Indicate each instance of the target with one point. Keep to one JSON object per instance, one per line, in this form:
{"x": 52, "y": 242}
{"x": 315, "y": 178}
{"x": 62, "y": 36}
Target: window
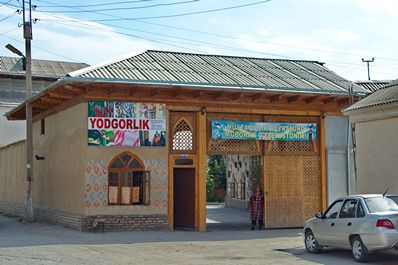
{"x": 333, "y": 210}
{"x": 128, "y": 182}
{"x": 42, "y": 126}
{"x": 360, "y": 211}
{"x": 348, "y": 209}
{"x": 381, "y": 204}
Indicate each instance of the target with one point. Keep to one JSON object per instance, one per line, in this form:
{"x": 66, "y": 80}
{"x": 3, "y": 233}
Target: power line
{"x": 218, "y": 35}
{"x": 181, "y": 14}
{"x": 10, "y": 15}
{"x": 54, "y": 53}
{"x": 97, "y": 5}
{"x": 2, "y": 4}
{"x": 119, "y": 8}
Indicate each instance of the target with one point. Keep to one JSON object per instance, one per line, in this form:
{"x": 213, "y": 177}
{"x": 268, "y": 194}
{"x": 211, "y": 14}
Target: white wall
{"x": 10, "y": 131}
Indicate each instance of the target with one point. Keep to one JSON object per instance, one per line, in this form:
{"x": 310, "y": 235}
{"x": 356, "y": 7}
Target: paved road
{"x": 44, "y": 244}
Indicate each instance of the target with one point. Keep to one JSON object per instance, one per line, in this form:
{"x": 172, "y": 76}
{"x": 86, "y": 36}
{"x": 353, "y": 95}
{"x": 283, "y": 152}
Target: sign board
{"x": 242, "y": 130}
{"x": 112, "y": 123}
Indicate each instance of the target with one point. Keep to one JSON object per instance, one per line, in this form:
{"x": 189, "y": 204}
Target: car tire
{"x": 358, "y": 249}
{"x": 311, "y": 244}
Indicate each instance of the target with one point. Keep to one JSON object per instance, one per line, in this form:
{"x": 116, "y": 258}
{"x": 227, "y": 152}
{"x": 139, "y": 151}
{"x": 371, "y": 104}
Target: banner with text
{"x": 242, "y": 130}
{"x": 112, "y": 123}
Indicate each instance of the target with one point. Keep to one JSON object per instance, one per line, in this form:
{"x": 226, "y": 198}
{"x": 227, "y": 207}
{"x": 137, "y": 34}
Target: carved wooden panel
{"x": 293, "y": 190}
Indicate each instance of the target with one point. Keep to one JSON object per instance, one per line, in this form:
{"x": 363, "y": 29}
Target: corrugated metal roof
{"x": 373, "y": 85}
{"x": 217, "y": 70}
{"x": 44, "y": 72}
{"x": 383, "y": 96}
{"x": 40, "y": 68}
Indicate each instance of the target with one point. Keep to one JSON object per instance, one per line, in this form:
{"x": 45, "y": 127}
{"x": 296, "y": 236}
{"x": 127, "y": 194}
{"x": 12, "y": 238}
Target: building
{"x": 13, "y": 89}
{"x": 373, "y": 85}
{"x": 127, "y": 141}
{"x": 375, "y": 123}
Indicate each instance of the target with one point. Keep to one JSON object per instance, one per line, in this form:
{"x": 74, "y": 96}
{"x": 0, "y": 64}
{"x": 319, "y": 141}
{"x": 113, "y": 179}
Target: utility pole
{"x": 27, "y": 34}
{"x": 367, "y": 63}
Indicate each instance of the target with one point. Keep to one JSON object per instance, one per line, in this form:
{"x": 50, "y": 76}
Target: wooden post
{"x": 322, "y": 151}
{"x": 201, "y": 174}
{"x": 171, "y": 192}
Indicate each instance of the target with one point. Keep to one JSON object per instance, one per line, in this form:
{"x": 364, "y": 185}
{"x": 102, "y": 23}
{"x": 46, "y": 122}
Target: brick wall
{"x": 85, "y": 223}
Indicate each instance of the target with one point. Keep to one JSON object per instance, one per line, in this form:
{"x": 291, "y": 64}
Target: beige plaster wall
{"x": 96, "y": 175}
{"x": 377, "y": 156}
{"x": 58, "y": 178}
{"x": 13, "y": 173}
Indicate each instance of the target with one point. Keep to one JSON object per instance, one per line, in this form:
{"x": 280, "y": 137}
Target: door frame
{"x": 172, "y": 165}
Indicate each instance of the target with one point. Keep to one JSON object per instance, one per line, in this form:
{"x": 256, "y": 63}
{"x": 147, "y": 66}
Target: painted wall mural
{"x": 96, "y": 184}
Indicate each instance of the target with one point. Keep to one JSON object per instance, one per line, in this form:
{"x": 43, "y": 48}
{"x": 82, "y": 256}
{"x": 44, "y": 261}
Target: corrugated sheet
{"x": 42, "y": 68}
{"x": 12, "y": 90}
{"x": 216, "y": 70}
{"x": 383, "y": 96}
{"x": 373, "y": 85}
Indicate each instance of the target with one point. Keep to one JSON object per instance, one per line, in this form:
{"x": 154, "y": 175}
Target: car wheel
{"x": 358, "y": 249}
{"x": 311, "y": 244}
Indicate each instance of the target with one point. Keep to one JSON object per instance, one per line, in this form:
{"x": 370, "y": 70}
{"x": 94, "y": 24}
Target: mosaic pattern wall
{"x": 96, "y": 183}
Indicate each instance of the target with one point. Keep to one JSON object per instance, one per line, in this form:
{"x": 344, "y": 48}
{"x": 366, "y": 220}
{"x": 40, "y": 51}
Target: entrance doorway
{"x": 184, "y": 198}
{"x": 230, "y": 181}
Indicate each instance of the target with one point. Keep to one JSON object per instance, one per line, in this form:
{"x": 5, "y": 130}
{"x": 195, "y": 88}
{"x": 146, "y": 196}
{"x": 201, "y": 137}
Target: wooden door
{"x": 184, "y": 197}
{"x": 292, "y": 190}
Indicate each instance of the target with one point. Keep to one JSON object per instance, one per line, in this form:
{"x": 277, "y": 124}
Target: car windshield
{"x": 381, "y": 204}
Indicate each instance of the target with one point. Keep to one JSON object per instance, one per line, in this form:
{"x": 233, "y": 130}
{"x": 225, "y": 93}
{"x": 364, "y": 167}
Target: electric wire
{"x": 181, "y": 14}
{"x": 2, "y": 4}
{"x": 120, "y": 8}
{"x": 226, "y": 36}
{"x": 97, "y": 5}
{"x": 9, "y": 16}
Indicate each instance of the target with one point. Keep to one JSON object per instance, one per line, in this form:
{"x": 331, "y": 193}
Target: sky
{"x": 339, "y": 33}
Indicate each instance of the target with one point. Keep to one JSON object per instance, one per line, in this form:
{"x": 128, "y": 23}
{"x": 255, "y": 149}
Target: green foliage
{"x": 216, "y": 177}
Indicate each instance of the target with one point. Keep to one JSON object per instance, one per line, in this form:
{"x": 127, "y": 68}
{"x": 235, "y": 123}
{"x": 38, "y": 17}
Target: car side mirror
{"x": 319, "y": 215}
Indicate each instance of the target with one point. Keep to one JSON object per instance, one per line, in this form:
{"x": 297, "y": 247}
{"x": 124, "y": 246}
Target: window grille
{"x": 182, "y": 137}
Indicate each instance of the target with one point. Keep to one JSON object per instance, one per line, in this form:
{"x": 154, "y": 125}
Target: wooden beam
{"x": 274, "y": 97}
{"x": 310, "y": 99}
{"x": 329, "y": 100}
{"x": 292, "y": 99}
{"x": 201, "y": 173}
{"x": 175, "y": 93}
{"x": 237, "y": 96}
{"x": 111, "y": 90}
{"x": 154, "y": 92}
{"x": 218, "y": 95}
{"x": 87, "y": 89}
{"x": 133, "y": 91}
{"x": 256, "y": 97}
{"x": 198, "y": 94}
{"x": 343, "y": 101}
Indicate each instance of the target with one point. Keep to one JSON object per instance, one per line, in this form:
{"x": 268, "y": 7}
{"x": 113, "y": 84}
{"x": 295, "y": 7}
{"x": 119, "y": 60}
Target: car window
{"x": 360, "y": 211}
{"x": 333, "y": 210}
{"x": 381, "y": 204}
{"x": 394, "y": 198}
{"x": 348, "y": 209}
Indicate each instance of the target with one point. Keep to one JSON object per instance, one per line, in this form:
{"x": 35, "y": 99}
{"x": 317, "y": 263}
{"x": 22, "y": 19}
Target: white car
{"x": 362, "y": 223}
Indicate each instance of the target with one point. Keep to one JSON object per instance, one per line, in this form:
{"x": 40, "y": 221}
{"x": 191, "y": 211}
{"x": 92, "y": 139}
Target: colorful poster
{"x": 113, "y": 123}
{"x": 241, "y": 130}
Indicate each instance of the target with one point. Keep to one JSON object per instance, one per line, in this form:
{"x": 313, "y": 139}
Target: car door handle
{"x": 349, "y": 224}
{"x": 332, "y": 224}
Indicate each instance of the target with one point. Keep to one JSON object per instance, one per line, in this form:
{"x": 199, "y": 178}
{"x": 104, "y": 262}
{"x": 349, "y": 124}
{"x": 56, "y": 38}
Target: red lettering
{"x": 107, "y": 123}
{"x": 122, "y": 124}
{"x": 129, "y": 124}
{"x": 114, "y": 123}
{"x": 145, "y": 125}
{"x": 100, "y": 123}
{"x": 135, "y": 125}
{"x": 92, "y": 121}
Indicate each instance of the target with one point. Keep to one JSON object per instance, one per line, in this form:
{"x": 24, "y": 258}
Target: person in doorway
{"x": 257, "y": 208}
